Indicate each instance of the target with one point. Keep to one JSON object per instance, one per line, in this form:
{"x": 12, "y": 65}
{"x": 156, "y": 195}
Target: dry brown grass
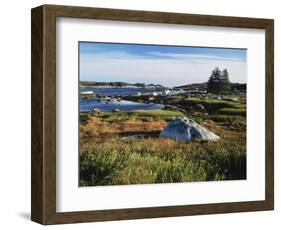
{"x": 99, "y": 131}
{"x": 107, "y": 157}
{"x": 96, "y": 126}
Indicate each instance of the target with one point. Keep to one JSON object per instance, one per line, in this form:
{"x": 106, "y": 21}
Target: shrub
{"x": 98, "y": 166}
{"x": 83, "y": 118}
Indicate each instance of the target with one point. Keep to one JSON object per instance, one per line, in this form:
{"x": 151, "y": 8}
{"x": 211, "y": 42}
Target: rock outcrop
{"x": 96, "y": 110}
{"x": 184, "y": 129}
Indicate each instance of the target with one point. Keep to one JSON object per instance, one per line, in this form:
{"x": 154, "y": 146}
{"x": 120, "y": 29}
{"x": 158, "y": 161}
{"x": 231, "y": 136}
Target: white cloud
{"x": 185, "y": 56}
{"x": 169, "y": 69}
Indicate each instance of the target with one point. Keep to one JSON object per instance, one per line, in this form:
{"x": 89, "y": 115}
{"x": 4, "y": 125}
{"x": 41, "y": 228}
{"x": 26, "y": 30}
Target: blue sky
{"x": 167, "y": 65}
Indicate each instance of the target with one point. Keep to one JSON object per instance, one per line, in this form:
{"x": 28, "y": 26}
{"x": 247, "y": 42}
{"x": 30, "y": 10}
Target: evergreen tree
{"x": 225, "y": 83}
{"x": 219, "y": 81}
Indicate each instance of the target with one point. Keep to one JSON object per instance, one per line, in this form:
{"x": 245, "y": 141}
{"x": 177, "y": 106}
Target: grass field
{"x": 111, "y": 154}
{"x": 120, "y": 161}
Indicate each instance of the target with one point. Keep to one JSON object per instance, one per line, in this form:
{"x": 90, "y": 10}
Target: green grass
{"x": 192, "y": 100}
{"x": 232, "y": 111}
{"x": 216, "y": 106}
{"x": 144, "y": 115}
{"x": 229, "y": 120}
{"x": 117, "y": 160}
{"x": 208, "y": 102}
{"x": 190, "y": 104}
{"x": 144, "y": 162}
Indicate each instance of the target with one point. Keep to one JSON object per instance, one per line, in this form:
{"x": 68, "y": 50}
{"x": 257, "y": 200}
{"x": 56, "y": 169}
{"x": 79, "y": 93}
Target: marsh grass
{"x": 108, "y": 158}
{"x": 160, "y": 161}
{"x": 143, "y": 115}
{"x": 230, "y": 120}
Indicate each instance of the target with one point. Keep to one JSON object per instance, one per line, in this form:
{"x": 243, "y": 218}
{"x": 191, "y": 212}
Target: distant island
{"x": 94, "y": 84}
{"x": 241, "y": 87}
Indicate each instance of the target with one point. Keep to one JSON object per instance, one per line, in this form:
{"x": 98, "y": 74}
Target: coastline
{"x": 122, "y": 87}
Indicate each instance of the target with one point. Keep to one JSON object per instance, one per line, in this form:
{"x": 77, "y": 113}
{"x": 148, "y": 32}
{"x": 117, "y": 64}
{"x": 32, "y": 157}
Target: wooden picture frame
{"x": 43, "y": 208}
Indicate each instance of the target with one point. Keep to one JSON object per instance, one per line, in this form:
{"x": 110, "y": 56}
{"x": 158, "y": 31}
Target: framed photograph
{"x": 141, "y": 114}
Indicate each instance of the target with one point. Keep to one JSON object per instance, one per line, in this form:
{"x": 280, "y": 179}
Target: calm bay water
{"x": 118, "y": 91}
{"x": 106, "y": 105}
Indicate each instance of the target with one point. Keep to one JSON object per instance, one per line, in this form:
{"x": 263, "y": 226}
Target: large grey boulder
{"x": 184, "y": 129}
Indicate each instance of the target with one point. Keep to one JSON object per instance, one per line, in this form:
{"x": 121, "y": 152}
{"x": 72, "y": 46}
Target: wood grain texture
{"x": 269, "y": 113}
{"x": 37, "y": 115}
{"x": 44, "y": 114}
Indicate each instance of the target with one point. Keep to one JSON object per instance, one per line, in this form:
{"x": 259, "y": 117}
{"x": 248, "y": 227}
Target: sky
{"x": 158, "y": 64}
